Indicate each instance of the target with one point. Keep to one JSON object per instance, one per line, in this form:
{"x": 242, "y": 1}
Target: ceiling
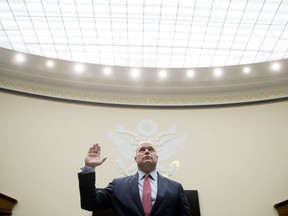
{"x": 148, "y": 35}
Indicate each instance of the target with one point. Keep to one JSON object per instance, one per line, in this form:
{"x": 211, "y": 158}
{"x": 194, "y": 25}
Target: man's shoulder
{"x": 168, "y": 180}
{"x": 125, "y": 178}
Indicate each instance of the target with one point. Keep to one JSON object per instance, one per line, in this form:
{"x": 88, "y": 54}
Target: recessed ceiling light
{"x": 135, "y": 73}
{"x": 50, "y": 63}
{"x": 218, "y": 72}
{"x": 190, "y": 74}
{"x": 275, "y": 66}
{"x": 162, "y": 74}
{"x": 107, "y": 71}
{"x": 79, "y": 68}
{"x": 246, "y": 70}
{"x": 20, "y": 58}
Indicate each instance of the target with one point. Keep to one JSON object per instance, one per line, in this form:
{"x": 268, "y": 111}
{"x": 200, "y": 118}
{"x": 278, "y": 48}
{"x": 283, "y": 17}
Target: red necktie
{"x": 146, "y": 197}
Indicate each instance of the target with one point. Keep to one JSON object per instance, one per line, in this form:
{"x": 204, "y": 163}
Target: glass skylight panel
{"x": 51, "y": 9}
{"x": 68, "y": 8}
{"x": 281, "y": 15}
{"x": 79, "y": 57}
{"x": 71, "y": 23}
{"x": 49, "y": 50}
{"x": 21, "y": 47}
{"x": 86, "y": 23}
{"x": 106, "y": 51}
{"x": 15, "y": 38}
{"x": 39, "y": 23}
{"x": 178, "y": 51}
{"x": 150, "y": 39}
{"x": 55, "y": 23}
{"x": 281, "y": 47}
{"x": 261, "y": 57}
{"x": 165, "y": 43}
{"x": 180, "y": 42}
{"x": 284, "y": 35}
{"x": 59, "y": 37}
{"x": 151, "y": 26}
{"x": 105, "y": 38}
{"x": 35, "y": 9}
{"x": 202, "y": 14}
{"x": 24, "y": 23}
{"x": 4, "y": 41}
{"x": 44, "y": 38}
{"x": 103, "y": 25}
{"x": 234, "y": 57}
{"x": 92, "y": 58}
{"x": 135, "y": 29}
{"x": 121, "y": 61}
{"x": 120, "y": 39}
{"x": 120, "y": 50}
{"x": 247, "y": 56}
{"x": 35, "y": 49}
{"x": 101, "y": 10}
{"x": 169, "y": 12}
{"x": 152, "y": 12}
{"x": 249, "y": 15}
{"x": 89, "y": 37}
{"x": 119, "y": 25}
{"x": 5, "y": 9}
{"x": 84, "y": 9}
{"x": 218, "y": 16}
{"x": 224, "y": 44}
{"x": 63, "y": 51}
{"x": 18, "y": 8}
{"x": 135, "y": 59}
{"x": 135, "y": 11}
{"x": 266, "y": 17}
{"x": 220, "y": 57}
{"x": 274, "y": 32}
{"x": 185, "y": 13}
{"x": 176, "y": 62}
{"x": 118, "y": 11}
{"x": 9, "y": 24}
{"x": 29, "y": 36}
{"x": 77, "y": 48}
{"x": 268, "y": 44}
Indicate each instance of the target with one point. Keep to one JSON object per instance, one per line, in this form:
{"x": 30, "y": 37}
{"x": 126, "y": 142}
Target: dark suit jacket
{"x": 122, "y": 195}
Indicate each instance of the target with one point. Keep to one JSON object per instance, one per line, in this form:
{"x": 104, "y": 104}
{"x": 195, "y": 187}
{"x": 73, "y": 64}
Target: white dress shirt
{"x": 153, "y": 181}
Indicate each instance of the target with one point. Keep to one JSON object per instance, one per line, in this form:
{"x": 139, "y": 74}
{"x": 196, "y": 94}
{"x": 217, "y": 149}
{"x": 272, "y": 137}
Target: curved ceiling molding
{"x": 62, "y": 82}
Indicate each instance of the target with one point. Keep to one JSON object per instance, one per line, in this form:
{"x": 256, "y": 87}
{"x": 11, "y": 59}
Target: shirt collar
{"x": 153, "y": 174}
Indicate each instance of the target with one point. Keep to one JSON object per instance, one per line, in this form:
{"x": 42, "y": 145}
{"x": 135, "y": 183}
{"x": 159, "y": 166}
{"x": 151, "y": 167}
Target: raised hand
{"x": 93, "y": 156}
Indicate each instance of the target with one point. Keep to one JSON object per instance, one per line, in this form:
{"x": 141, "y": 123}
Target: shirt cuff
{"x": 87, "y": 169}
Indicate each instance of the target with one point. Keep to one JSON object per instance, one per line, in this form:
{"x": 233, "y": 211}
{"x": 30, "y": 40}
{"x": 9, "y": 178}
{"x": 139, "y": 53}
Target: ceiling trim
{"x": 34, "y": 78}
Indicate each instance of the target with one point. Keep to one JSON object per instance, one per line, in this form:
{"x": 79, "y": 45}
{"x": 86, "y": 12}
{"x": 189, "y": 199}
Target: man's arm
{"x": 92, "y": 199}
{"x": 183, "y": 205}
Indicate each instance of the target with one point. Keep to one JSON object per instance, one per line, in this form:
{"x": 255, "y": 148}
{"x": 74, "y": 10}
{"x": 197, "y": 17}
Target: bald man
{"x": 125, "y": 195}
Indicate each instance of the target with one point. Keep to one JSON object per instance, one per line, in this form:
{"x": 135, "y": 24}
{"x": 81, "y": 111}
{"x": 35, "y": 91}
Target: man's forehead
{"x": 146, "y": 144}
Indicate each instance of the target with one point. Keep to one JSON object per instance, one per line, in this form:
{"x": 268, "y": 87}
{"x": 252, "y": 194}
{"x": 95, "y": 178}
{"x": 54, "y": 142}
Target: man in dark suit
{"x": 124, "y": 195}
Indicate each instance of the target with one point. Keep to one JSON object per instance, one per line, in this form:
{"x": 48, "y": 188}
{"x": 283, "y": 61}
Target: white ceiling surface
{"x": 148, "y": 33}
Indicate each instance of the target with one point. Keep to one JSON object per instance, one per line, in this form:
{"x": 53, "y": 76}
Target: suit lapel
{"x": 161, "y": 185}
{"x": 134, "y": 189}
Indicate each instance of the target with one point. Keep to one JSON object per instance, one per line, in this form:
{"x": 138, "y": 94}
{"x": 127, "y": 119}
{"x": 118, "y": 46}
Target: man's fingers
{"x": 103, "y": 159}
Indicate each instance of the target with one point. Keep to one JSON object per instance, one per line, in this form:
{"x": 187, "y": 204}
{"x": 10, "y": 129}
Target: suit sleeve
{"x": 183, "y": 206}
{"x": 93, "y": 199}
